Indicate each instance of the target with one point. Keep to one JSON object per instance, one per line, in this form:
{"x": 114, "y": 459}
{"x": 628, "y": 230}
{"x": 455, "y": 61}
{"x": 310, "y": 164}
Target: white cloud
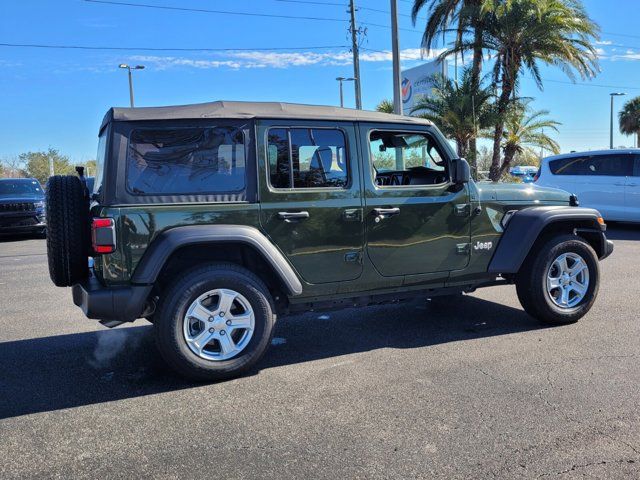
{"x": 271, "y": 59}
{"x": 604, "y": 42}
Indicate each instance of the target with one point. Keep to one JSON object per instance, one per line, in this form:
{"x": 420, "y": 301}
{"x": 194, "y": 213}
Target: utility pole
{"x": 395, "y": 46}
{"x": 356, "y": 54}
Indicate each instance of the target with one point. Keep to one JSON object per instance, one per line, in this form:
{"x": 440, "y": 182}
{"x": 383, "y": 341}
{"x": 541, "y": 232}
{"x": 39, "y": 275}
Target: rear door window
{"x": 307, "y": 158}
{"x": 199, "y": 160}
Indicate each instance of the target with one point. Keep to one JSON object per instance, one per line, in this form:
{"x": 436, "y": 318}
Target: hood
{"x": 520, "y": 192}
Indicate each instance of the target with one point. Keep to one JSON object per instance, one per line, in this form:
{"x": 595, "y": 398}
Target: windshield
{"x": 20, "y": 188}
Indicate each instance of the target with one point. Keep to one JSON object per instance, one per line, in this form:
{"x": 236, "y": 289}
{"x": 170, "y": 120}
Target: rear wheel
{"x": 560, "y": 283}
{"x": 215, "y": 322}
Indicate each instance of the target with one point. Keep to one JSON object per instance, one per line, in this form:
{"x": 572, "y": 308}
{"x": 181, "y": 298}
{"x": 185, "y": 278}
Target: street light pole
{"x": 129, "y": 68}
{"x": 340, "y": 80}
{"x": 395, "y": 47}
{"x": 614, "y": 94}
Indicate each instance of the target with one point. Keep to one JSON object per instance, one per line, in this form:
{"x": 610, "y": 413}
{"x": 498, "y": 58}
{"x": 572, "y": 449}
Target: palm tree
{"x": 526, "y": 130}
{"x": 468, "y": 16}
{"x": 629, "y": 118}
{"x": 525, "y": 33}
{"x": 459, "y": 114}
{"x": 385, "y": 106}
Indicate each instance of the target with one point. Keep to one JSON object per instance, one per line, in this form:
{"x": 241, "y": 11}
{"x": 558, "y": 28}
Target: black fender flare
{"x": 172, "y": 239}
{"x": 525, "y": 227}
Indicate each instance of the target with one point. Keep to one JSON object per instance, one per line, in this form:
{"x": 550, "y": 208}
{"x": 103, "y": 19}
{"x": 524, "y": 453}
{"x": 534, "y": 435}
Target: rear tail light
{"x": 537, "y": 175}
{"x": 103, "y": 235}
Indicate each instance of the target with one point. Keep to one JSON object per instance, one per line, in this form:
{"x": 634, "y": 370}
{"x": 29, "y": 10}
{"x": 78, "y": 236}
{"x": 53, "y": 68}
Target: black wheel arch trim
{"x": 170, "y": 240}
{"x": 525, "y": 226}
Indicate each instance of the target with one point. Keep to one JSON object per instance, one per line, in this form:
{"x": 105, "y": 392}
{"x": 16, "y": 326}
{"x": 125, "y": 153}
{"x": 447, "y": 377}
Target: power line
{"x": 165, "y": 49}
{"x": 245, "y": 14}
{"x": 624, "y": 87}
{"x": 368, "y": 9}
{"x": 220, "y": 12}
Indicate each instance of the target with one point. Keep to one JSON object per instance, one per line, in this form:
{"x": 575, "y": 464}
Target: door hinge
{"x": 463, "y": 248}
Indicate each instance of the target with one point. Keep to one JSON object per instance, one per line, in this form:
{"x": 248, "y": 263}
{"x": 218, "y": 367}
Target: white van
{"x": 607, "y": 180}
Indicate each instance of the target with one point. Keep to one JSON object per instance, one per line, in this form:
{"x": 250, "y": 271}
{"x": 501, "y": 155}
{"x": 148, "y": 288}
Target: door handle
{"x": 290, "y": 217}
{"x": 386, "y": 212}
{"x": 632, "y": 184}
{"x": 351, "y": 215}
{"x": 619, "y": 184}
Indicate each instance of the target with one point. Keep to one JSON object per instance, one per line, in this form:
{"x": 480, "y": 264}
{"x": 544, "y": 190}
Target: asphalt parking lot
{"x": 476, "y": 390}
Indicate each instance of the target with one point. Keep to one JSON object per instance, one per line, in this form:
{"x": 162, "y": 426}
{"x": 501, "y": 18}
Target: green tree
{"x": 469, "y": 18}
{"x": 629, "y": 118}
{"x": 37, "y": 164}
{"x": 525, "y": 33}
{"x": 385, "y": 106}
{"x": 458, "y": 109}
{"x": 525, "y": 129}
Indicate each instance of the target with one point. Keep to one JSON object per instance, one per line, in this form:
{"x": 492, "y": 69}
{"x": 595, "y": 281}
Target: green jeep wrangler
{"x": 210, "y": 220}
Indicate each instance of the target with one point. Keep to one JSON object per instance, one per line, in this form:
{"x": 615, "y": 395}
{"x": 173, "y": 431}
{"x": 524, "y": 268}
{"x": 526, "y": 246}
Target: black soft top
{"x": 250, "y": 110}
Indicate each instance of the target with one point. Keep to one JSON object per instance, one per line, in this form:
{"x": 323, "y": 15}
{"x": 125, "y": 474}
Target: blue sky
{"x": 57, "y": 97}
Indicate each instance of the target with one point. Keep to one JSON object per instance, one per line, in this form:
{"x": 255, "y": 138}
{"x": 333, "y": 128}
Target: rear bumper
{"x": 121, "y": 304}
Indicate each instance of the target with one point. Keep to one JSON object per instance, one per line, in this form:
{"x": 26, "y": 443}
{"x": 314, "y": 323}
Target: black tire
{"x": 531, "y": 281}
{"x": 168, "y": 321}
{"x": 67, "y": 230}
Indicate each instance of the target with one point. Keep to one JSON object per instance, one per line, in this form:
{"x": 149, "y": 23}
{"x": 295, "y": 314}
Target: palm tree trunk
{"x": 503, "y": 104}
{"x": 509, "y": 153}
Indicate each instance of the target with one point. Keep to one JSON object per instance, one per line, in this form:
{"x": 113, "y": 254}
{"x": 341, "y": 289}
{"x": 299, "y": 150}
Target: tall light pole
{"x": 356, "y": 54}
{"x": 614, "y": 94}
{"x": 129, "y": 68}
{"x": 343, "y": 79}
{"x": 395, "y": 47}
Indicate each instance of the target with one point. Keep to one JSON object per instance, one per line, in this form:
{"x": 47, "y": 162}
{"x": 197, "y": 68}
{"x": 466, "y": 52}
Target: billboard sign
{"x": 417, "y": 82}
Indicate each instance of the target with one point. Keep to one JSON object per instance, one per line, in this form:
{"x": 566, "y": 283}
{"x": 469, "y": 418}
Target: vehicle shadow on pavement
{"x": 52, "y": 373}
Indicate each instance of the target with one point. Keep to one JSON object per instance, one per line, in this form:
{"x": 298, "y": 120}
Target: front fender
{"x": 526, "y": 225}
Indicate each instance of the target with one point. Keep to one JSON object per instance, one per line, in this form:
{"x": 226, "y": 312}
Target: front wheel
{"x": 560, "y": 283}
{"x": 215, "y": 322}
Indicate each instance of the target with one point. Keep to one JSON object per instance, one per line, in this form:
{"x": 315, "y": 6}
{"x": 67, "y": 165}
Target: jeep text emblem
{"x": 483, "y": 246}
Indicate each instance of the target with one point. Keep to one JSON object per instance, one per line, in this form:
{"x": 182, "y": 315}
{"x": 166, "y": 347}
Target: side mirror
{"x": 461, "y": 171}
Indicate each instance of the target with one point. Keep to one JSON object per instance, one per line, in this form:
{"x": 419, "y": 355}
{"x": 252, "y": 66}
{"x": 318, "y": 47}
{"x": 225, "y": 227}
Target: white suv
{"x": 607, "y": 180}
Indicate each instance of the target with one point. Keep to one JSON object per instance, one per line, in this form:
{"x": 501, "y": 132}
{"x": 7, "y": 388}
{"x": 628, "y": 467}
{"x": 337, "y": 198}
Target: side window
{"x": 610, "y": 165}
{"x": 636, "y": 166}
{"x": 307, "y": 158}
{"x": 596, "y": 165}
{"x": 400, "y": 158}
{"x": 568, "y": 166}
{"x": 185, "y": 161}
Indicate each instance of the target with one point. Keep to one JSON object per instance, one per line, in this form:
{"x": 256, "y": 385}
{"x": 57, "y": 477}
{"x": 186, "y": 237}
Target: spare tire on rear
{"x": 67, "y": 230}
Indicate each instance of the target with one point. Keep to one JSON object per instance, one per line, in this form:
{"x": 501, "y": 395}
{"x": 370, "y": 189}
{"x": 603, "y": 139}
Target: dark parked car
{"x": 211, "y": 220}
{"x": 22, "y": 206}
